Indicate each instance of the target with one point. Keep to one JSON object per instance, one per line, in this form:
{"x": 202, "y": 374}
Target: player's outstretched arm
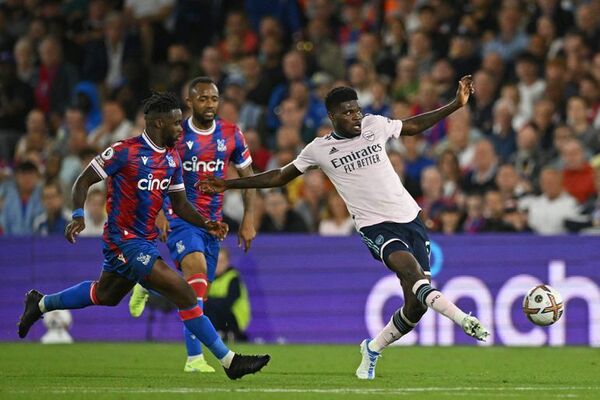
{"x": 417, "y": 124}
{"x": 272, "y": 178}
{"x": 184, "y": 209}
{"x": 79, "y": 193}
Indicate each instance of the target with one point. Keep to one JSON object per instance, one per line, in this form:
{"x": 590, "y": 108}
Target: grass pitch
{"x": 155, "y": 371}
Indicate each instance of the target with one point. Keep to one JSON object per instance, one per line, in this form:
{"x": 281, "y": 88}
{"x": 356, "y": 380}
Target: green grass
{"x": 155, "y": 371}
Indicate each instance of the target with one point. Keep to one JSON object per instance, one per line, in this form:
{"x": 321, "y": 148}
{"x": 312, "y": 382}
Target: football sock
{"x": 199, "y": 283}
{"x": 78, "y": 296}
{"x": 203, "y": 329}
{"x": 433, "y": 298}
{"x": 398, "y": 326}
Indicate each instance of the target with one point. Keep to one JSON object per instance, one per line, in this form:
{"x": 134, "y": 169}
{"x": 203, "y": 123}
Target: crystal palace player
{"x": 141, "y": 172}
{"x": 353, "y": 156}
{"x": 207, "y": 147}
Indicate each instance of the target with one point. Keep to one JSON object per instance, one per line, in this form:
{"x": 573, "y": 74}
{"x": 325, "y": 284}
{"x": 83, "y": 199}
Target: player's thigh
{"x": 193, "y": 263}
{"x": 171, "y": 285}
{"x": 111, "y": 288}
{"x": 405, "y": 265}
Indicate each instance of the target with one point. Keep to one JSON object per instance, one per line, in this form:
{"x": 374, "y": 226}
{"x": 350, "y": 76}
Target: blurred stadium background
{"x": 509, "y": 186}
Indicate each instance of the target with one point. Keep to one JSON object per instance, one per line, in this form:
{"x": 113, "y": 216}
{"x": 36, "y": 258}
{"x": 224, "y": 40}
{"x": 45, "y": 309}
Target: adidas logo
{"x": 333, "y": 150}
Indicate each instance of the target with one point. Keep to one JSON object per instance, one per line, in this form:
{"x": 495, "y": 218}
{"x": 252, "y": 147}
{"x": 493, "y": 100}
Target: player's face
{"x": 347, "y": 118}
{"x": 171, "y": 127}
{"x": 204, "y": 102}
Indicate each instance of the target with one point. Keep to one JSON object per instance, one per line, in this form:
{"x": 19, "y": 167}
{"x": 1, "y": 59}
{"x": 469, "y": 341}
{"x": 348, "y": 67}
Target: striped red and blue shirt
{"x": 208, "y": 152}
{"x": 140, "y": 176}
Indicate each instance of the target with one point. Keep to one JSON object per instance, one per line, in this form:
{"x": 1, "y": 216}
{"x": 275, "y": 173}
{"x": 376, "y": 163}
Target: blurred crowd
{"x": 524, "y": 156}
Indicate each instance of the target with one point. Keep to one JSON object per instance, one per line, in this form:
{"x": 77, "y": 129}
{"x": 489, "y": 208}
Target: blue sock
{"x": 74, "y": 297}
{"x": 204, "y": 330}
{"x": 192, "y": 343}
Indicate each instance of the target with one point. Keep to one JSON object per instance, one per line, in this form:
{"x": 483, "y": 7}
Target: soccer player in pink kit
{"x": 206, "y": 148}
{"x": 141, "y": 172}
{"x": 387, "y": 217}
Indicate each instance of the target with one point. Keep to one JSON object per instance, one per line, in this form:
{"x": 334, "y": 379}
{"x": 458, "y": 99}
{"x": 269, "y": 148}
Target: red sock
{"x": 199, "y": 283}
{"x": 93, "y": 295}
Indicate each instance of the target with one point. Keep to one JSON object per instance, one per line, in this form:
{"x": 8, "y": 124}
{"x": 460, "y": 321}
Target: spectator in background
{"x": 294, "y": 70}
{"x": 510, "y": 40}
{"x": 313, "y": 199}
{"x": 414, "y": 156}
{"x": 380, "y": 104}
{"x": 150, "y": 18}
{"x": 107, "y": 59}
{"x": 87, "y": 99}
{"x": 502, "y": 135}
{"x": 480, "y": 178}
{"x": 54, "y": 81}
{"x": 449, "y": 168}
{"x": 228, "y": 306}
{"x": 420, "y": 49}
{"x": 460, "y": 138}
{"x": 509, "y": 184}
{"x": 325, "y": 53}
{"x": 21, "y": 200}
{"x": 428, "y": 100}
{"x": 95, "y": 214}
{"x": 25, "y": 61}
{"x": 360, "y": 77}
{"x": 528, "y": 159}
{"x": 474, "y": 221}
{"x": 543, "y": 118}
{"x": 251, "y": 114}
{"x": 238, "y": 39}
{"x": 337, "y": 220}
{"x": 16, "y": 97}
{"x": 450, "y": 219}
{"x": 577, "y": 119}
{"x": 115, "y": 126}
{"x": 432, "y": 200}
{"x": 211, "y": 66}
{"x": 463, "y": 54}
{"x": 406, "y": 83}
{"x": 36, "y": 137}
{"x": 493, "y": 211}
{"x": 577, "y": 174}
{"x": 531, "y": 86}
{"x": 55, "y": 217}
{"x": 547, "y": 213}
{"x": 482, "y": 104}
{"x": 279, "y": 217}
{"x": 260, "y": 154}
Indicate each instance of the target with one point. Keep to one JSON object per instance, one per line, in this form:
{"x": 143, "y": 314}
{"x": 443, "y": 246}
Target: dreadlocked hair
{"x": 160, "y": 102}
{"x": 339, "y": 95}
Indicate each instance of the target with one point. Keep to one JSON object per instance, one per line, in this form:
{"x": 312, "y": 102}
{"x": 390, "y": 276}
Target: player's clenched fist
{"x": 211, "y": 185}
{"x": 73, "y": 229}
{"x": 217, "y": 229}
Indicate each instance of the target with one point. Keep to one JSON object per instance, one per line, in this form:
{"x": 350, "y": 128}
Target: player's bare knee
{"x": 107, "y": 299}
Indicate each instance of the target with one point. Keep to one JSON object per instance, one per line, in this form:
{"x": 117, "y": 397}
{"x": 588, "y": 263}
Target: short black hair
{"x": 339, "y": 95}
{"x": 160, "y": 102}
{"x": 26, "y": 166}
{"x": 200, "y": 79}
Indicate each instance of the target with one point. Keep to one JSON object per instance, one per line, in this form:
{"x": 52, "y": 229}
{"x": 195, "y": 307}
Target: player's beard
{"x": 204, "y": 120}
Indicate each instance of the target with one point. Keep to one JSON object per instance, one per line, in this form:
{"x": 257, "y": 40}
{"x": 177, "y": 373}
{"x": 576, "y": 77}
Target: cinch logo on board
{"x": 194, "y": 165}
{"x": 153, "y": 184}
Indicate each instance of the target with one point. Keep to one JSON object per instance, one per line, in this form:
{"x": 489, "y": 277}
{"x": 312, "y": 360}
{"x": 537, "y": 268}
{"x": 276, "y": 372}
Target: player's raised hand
{"x": 246, "y": 234}
{"x": 217, "y": 229}
{"x": 74, "y": 228}
{"x": 465, "y": 89}
{"x": 210, "y": 185}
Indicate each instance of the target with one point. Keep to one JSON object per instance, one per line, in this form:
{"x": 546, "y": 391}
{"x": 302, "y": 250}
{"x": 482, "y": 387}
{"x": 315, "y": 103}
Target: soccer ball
{"x": 543, "y": 305}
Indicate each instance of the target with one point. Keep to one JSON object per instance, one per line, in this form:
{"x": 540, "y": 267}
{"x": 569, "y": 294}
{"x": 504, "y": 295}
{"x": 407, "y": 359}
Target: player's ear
{"x": 159, "y": 123}
{"x": 188, "y": 101}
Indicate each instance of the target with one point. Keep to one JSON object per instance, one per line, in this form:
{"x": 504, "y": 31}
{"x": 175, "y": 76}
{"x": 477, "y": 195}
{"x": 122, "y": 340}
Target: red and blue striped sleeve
{"x": 241, "y": 154}
{"x": 177, "y": 184}
{"x": 110, "y": 161}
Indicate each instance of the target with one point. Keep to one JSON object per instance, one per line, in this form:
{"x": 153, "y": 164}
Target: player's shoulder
{"x": 374, "y": 120}
{"x": 227, "y": 127}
